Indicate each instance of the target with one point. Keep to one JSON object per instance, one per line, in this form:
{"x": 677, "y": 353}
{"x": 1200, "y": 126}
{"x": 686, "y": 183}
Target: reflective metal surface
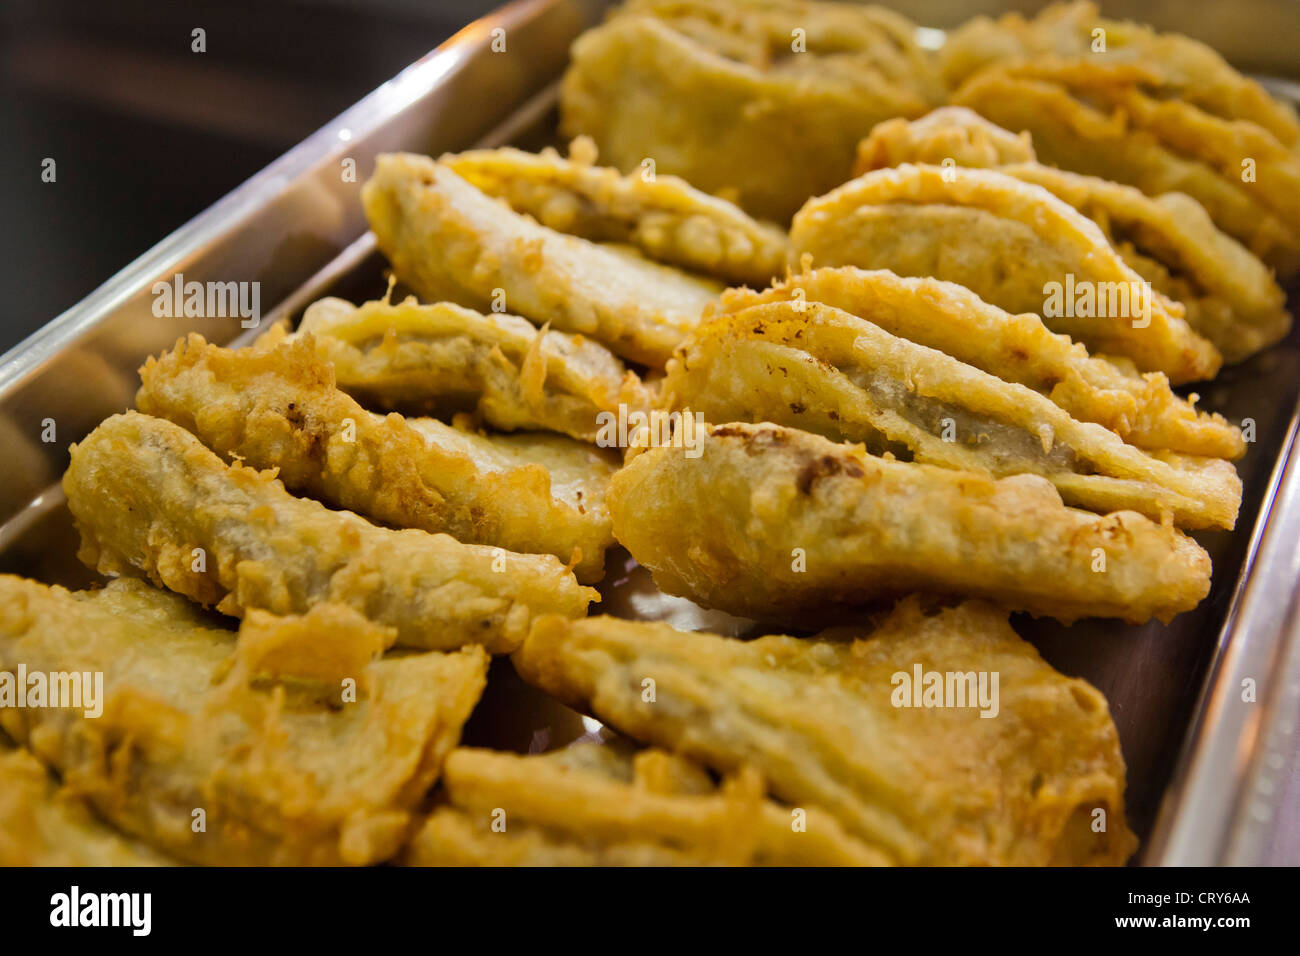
{"x": 1234, "y": 799}
{"x": 276, "y": 229}
{"x": 1212, "y": 777}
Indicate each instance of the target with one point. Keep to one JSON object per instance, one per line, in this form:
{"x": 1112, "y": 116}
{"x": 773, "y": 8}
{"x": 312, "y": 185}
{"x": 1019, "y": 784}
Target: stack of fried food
{"x": 903, "y": 441}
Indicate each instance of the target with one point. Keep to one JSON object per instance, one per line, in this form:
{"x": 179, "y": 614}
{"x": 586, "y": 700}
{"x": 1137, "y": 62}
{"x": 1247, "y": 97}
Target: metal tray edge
{"x": 1205, "y": 808}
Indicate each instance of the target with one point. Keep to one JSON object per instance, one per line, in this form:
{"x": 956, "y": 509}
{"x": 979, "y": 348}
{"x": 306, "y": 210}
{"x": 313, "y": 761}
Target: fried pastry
{"x": 278, "y": 408}
{"x": 151, "y": 501}
{"x": 1230, "y": 296}
{"x": 601, "y": 805}
{"x": 1185, "y": 69}
{"x": 442, "y": 359}
{"x": 1114, "y": 122}
{"x": 778, "y": 524}
{"x": 1141, "y": 409}
{"x": 824, "y": 721}
{"x": 815, "y": 367}
{"x": 577, "y": 474}
{"x": 214, "y": 750}
{"x": 951, "y": 134}
{"x": 762, "y": 100}
{"x": 664, "y": 217}
{"x": 43, "y": 825}
{"x": 1013, "y": 244}
{"x": 448, "y": 240}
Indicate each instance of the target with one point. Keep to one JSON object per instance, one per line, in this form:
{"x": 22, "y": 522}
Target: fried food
{"x": 1110, "y": 122}
{"x": 1230, "y": 296}
{"x": 216, "y": 751}
{"x": 1141, "y": 409}
{"x": 448, "y": 240}
{"x": 954, "y": 134}
{"x": 42, "y": 825}
{"x": 278, "y": 408}
{"x": 1160, "y": 112}
{"x": 821, "y": 719}
{"x": 151, "y": 501}
{"x": 704, "y": 87}
{"x": 777, "y": 524}
{"x": 960, "y": 406}
{"x": 443, "y": 359}
{"x": 812, "y": 366}
{"x": 1011, "y": 243}
{"x": 602, "y": 805}
{"x": 1184, "y": 69}
{"x": 664, "y": 217}
{"x": 507, "y": 465}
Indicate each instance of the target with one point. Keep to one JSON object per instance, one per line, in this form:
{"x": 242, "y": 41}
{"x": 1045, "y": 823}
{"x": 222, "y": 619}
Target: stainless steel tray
{"x": 1212, "y": 779}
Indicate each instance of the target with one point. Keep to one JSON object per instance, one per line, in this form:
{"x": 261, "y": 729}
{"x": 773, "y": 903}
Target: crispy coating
{"x": 279, "y": 408}
{"x": 578, "y": 477}
{"x": 663, "y": 216}
{"x": 809, "y": 365}
{"x": 443, "y": 359}
{"x": 777, "y": 524}
{"x": 819, "y": 717}
{"x": 1006, "y": 241}
{"x": 448, "y": 240}
{"x": 1230, "y": 296}
{"x": 952, "y": 133}
{"x": 150, "y": 500}
{"x": 715, "y": 92}
{"x": 867, "y": 42}
{"x": 42, "y": 825}
{"x": 602, "y": 805}
{"x": 285, "y": 769}
{"x": 1107, "y": 122}
{"x": 1183, "y": 68}
{"x": 1141, "y": 409}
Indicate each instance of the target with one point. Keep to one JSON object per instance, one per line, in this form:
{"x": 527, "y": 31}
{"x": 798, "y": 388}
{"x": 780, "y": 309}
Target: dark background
{"x": 146, "y": 134}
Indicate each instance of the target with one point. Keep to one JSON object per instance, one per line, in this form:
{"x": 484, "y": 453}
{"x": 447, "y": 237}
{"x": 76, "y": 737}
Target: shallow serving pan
{"x": 1213, "y": 778}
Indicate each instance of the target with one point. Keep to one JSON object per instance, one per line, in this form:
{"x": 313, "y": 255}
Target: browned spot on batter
{"x": 757, "y": 439}
{"x": 825, "y": 467}
{"x": 312, "y": 438}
